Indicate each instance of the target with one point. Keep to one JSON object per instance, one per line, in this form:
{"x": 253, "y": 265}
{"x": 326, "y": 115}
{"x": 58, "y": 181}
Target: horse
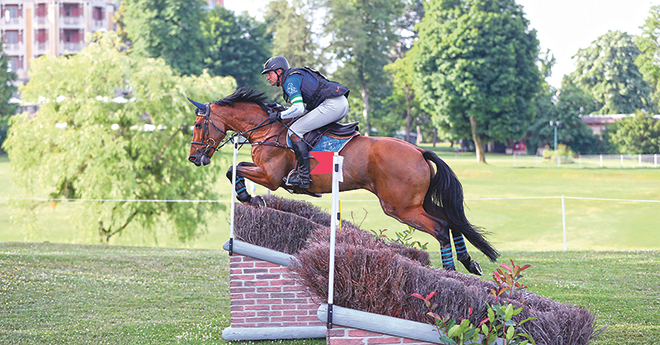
{"x": 400, "y": 174}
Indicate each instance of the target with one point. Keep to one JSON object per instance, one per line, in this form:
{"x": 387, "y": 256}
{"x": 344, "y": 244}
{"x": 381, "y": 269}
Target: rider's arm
{"x": 292, "y": 88}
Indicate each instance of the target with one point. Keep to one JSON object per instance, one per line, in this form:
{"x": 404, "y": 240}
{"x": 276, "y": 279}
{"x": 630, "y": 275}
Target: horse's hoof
{"x": 257, "y": 201}
{"x": 474, "y": 268}
{"x": 449, "y": 268}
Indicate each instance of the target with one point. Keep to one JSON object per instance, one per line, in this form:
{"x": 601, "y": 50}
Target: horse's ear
{"x": 197, "y": 104}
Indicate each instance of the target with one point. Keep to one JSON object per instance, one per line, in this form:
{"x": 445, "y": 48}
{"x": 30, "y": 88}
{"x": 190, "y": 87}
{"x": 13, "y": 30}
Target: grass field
{"x": 514, "y": 224}
{"x": 93, "y": 294}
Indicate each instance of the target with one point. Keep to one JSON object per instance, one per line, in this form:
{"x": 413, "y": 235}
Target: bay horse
{"x": 400, "y": 174}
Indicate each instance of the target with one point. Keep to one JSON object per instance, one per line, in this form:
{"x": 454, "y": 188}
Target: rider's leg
{"x": 302, "y": 179}
{"x": 331, "y": 110}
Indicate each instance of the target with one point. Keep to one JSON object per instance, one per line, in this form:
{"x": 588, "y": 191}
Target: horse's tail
{"x": 445, "y": 196}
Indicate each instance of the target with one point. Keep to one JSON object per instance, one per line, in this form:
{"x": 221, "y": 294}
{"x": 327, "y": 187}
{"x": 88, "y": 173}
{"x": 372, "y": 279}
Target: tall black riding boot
{"x": 301, "y": 179}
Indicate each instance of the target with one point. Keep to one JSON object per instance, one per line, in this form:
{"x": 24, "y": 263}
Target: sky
{"x": 563, "y": 26}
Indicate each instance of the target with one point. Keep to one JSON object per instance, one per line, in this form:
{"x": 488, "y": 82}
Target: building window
{"x": 12, "y": 37}
{"x": 71, "y": 10}
{"x": 42, "y": 10}
{"x": 42, "y": 36}
{"x": 98, "y": 13}
{"x": 72, "y": 36}
{"x": 15, "y": 63}
{"x": 11, "y": 12}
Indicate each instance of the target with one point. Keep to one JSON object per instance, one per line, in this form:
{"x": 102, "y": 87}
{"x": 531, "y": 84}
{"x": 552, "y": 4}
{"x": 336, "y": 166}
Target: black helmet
{"x": 275, "y": 63}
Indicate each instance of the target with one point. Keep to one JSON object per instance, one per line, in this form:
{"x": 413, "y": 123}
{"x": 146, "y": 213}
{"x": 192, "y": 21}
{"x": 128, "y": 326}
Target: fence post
{"x": 580, "y": 161}
{"x": 601, "y": 161}
{"x": 514, "y": 159}
{"x": 655, "y": 161}
{"x": 640, "y": 160}
{"x": 621, "y": 161}
{"x": 563, "y": 220}
{"x": 233, "y": 198}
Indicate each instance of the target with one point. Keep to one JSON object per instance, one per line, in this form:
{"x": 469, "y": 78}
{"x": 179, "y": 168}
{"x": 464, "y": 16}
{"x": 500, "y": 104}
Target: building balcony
{"x": 41, "y": 21}
{"x": 72, "y": 21}
{"x": 13, "y": 22}
{"x": 12, "y": 48}
{"x": 41, "y": 48}
{"x": 71, "y": 47}
{"x": 99, "y": 24}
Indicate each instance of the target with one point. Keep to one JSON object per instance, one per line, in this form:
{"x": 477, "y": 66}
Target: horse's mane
{"x": 244, "y": 94}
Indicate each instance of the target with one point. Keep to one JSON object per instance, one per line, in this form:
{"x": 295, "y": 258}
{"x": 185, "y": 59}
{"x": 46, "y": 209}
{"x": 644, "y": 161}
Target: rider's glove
{"x": 274, "y": 116}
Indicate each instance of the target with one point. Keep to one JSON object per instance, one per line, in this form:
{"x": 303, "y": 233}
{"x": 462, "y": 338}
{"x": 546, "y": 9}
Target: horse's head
{"x": 207, "y": 135}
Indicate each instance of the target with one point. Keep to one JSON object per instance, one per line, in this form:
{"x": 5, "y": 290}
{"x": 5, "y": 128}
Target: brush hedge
{"x": 376, "y": 276}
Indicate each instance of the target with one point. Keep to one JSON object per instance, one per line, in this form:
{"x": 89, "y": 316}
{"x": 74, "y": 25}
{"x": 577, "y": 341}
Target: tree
{"x": 639, "y": 134}
{"x": 648, "y": 60}
{"x": 570, "y": 105}
{"x": 168, "y": 29}
{"x": 292, "y": 33}
{"x": 83, "y": 145}
{"x": 362, "y": 37}
{"x": 7, "y": 89}
{"x": 402, "y": 75}
{"x": 476, "y": 68}
{"x": 607, "y": 71}
{"x": 238, "y": 46}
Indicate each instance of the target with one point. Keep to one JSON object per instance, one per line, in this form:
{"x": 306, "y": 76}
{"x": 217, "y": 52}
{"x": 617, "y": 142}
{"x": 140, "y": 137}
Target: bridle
{"x": 208, "y": 142}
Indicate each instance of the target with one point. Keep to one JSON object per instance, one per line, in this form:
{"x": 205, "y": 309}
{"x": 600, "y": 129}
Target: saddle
{"x": 334, "y": 132}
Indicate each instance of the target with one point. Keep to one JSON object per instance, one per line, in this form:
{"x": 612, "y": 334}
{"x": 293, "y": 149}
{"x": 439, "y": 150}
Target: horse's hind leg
{"x": 464, "y": 257}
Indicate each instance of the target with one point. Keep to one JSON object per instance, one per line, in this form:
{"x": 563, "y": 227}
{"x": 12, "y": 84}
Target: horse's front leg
{"x": 253, "y": 173}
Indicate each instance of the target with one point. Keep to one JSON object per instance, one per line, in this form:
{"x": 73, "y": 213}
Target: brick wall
{"x": 265, "y": 294}
{"x": 349, "y": 336}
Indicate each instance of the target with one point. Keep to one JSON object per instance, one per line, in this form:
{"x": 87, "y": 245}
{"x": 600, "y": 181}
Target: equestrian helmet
{"x": 275, "y": 63}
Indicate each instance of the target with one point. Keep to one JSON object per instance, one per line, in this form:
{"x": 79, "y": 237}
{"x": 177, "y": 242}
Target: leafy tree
{"x": 168, "y": 29}
{"x": 7, "y": 89}
{"x": 476, "y": 68}
{"x": 639, "y": 134}
{"x": 292, "y": 33}
{"x": 362, "y": 37}
{"x": 81, "y": 144}
{"x": 238, "y": 46}
{"x": 607, "y": 70}
{"x": 402, "y": 76}
{"x": 649, "y": 46}
{"x": 570, "y": 105}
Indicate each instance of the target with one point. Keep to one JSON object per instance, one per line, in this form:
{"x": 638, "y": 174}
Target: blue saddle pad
{"x": 327, "y": 144}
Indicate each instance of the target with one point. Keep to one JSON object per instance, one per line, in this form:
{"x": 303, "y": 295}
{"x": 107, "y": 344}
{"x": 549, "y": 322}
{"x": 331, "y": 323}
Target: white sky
{"x": 563, "y": 26}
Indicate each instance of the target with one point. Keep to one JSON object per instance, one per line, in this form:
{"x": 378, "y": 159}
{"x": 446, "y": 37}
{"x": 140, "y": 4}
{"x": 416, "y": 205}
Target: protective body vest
{"x": 315, "y": 88}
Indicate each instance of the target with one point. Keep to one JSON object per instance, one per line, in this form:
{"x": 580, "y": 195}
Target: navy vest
{"x": 315, "y": 88}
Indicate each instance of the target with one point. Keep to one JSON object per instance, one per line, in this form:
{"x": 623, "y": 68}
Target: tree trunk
{"x": 365, "y": 112}
{"x": 479, "y": 142}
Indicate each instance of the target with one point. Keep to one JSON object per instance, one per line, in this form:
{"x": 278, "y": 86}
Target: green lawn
{"x": 94, "y": 294}
{"x": 514, "y": 224}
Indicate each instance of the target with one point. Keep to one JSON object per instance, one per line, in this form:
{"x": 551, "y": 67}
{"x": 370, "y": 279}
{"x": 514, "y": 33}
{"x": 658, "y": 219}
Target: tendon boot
{"x": 301, "y": 178}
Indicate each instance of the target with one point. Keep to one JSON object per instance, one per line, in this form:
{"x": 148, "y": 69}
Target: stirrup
{"x": 294, "y": 174}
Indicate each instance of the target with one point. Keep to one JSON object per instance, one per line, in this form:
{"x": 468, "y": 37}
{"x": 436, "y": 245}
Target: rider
{"x": 315, "y": 101}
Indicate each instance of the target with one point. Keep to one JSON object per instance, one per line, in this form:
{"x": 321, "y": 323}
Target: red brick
{"x": 295, "y": 301}
{"x": 256, "y": 295}
{"x": 236, "y": 296}
{"x": 283, "y": 319}
{"x": 235, "y": 283}
{"x": 258, "y": 307}
{"x": 308, "y": 306}
{"x": 383, "y": 340}
{"x": 237, "y": 308}
{"x": 282, "y": 295}
{"x": 255, "y": 283}
{"x": 307, "y": 318}
{"x": 296, "y": 312}
{"x": 278, "y": 269}
{"x": 236, "y": 258}
{"x": 336, "y": 332}
{"x": 283, "y": 307}
{"x": 270, "y": 313}
{"x": 255, "y": 270}
{"x": 281, "y": 282}
{"x": 242, "y": 277}
{"x": 236, "y": 320}
{"x": 266, "y": 264}
{"x": 270, "y": 289}
{"x": 245, "y": 314}
{"x": 242, "y": 265}
{"x": 257, "y": 319}
{"x": 361, "y": 333}
{"x": 238, "y": 289}
{"x": 243, "y": 302}
{"x": 344, "y": 341}
{"x": 268, "y": 276}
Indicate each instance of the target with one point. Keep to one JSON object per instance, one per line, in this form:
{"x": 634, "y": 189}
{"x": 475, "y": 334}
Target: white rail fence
{"x": 560, "y": 197}
{"x": 587, "y": 161}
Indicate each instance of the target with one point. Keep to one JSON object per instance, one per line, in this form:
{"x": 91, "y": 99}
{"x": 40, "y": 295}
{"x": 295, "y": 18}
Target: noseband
{"x": 208, "y": 142}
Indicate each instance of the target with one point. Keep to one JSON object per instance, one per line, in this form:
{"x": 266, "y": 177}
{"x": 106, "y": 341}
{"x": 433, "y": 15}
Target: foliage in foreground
{"x": 84, "y": 143}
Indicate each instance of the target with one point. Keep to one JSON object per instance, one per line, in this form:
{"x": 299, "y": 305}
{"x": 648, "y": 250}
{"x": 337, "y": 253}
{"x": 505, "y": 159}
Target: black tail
{"x": 445, "y": 197}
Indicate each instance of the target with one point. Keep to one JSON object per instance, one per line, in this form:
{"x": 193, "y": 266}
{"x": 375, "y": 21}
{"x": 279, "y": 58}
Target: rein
{"x": 210, "y": 144}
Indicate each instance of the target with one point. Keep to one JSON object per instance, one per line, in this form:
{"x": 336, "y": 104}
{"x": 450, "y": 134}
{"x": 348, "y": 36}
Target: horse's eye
{"x": 198, "y": 125}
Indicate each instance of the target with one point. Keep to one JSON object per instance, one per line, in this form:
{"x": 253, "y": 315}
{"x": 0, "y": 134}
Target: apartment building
{"x": 31, "y": 28}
